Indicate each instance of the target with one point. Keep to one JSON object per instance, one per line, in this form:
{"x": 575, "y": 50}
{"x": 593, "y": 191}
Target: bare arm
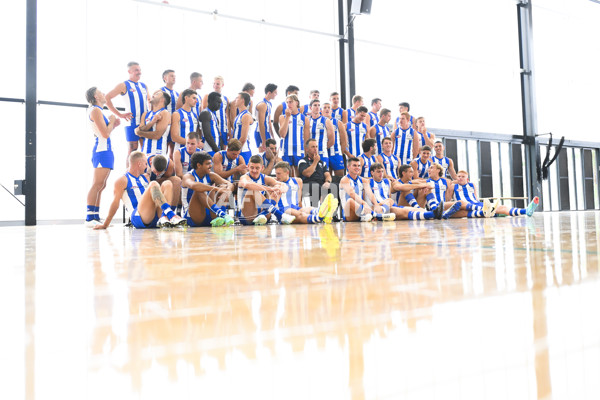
{"x": 120, "y": 186}
{"x": 330, "y": 133}
{"x": 118, "y": 90}
{"x": 98, "y": 120}
{"x": 284, "y": 122}
{"x": 246, "y": 122}
{"x": 176, "y": 128}
{"x": 276, "y": 116}
{"x": 178, "y": 164}
{"x": 260, "y": 109}
{"x": 451, "y": 170}
{"x": 450, "y": 192}
{"x": 161, "y": 121}
{"x": 416, "y": 144}
{"x": 344, "y": 139}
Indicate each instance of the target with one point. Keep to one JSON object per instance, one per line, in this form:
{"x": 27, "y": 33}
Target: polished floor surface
{"x": 507, "y": 308}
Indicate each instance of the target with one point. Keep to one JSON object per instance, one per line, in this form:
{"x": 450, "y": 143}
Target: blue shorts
{"x": 292, "y": 160}
{"x": 224, "y": 138}
{"x": 206, "y": 221}
{"x": 103, "y": 159}
{"x": 243, "y": 220}
{"x": 246, "y": 156}
{"x": 130, "y": 133}
{"x": 325, "y": 159}
{"x": 137, "y": 222}
{"x": 336, "y": 162}
{"x": 258, "y": 139}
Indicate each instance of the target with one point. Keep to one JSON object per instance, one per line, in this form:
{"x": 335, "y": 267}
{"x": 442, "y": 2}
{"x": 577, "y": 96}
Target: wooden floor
{"x": 506, "y": 308}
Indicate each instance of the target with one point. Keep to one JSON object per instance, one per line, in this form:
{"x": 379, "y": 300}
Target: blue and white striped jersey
{"x": 336, "y": 148}
{"x": 357, "y": 187}
{"x": 465, "y": 193}
{"x": 337, "y": 113}
{"x": 423, "y": 168}
{"x": 137, "y": 93}
{"x": 444, "y": 162}
{"x": 381, "y": 189}
{"x": 188, "y": 123}
{"x": 237, "y": 131}
{"x": 374, "y": 120}
{"x": 267, "y": 124}
{"x": 242, "y": 191}
{"x": 174, "y": 96}
{"x": 136, "y": 186}
{"x": 367, "y": 162}
{"x": 318, "y": 131}
{"x": 404, "y": 145}
{"x": 439, "y": 191}
{"x": 187, "y": 193}
{"x": 390, "y": 163}
{"x": 356, "y": 135}
{"x": 155, "y": 146}
{"x": 229, "y": 164}
{"x": 185, "y": 157}
{"x": 293, "y": 142}
{"x": 381, "y": 131}
{"x": 101, "y": 144}
{"x": 289, "y": 198}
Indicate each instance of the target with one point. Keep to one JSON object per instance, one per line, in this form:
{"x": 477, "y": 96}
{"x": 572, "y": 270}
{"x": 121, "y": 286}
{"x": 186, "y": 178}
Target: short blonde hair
{"x": 219, "y": 78}
{"x": 462, "y": 171}
{"x": 293, "y": 97}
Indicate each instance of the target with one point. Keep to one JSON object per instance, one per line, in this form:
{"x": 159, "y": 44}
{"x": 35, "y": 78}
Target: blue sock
{"x": 167, "y": 210}
{"x": 517, "y": 211}
{"x": 431, "y": 201}
{"x": 386, "y": 208}
{"x": 428, "y": 215}
{"x": 90, "y": 213}
{"x": 214, "y": 208}
{"x": 313, "y": 219}
{"x": 475, "y": 214}
{"x": 271, "y": 207}
{"x": 410, "y": 198}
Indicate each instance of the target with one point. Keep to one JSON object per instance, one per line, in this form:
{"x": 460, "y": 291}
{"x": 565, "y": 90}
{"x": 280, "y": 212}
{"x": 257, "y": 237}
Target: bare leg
{"x": 98, "y": 185}
{"x": 175, "y": 198}
{"x": 149, "y": 205}
{"x": 198, "y": 205}
{"x": 352, "y": 211}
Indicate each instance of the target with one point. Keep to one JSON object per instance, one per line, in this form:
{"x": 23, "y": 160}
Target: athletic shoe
{"x": 287, "y": 219}
{"x": 219, "y": 221}
{"x": 487, "y": 208}
{"x": 388, "y": 217}
{"x": 331, "y": 211}
{"x": 228, "y": 220}
{"x": 92, "y": 223}
{"x": 177, "y": 221}
{"x": 451, "y": 211}
{"x": 325, "y": 205}
{"x": 495, "y": 207}
{"x": 532, "y": 206}
{"x": 439, "y": 211}
{"x": 260, "y": 220}
{"x": 164, "y": 222}
{"x": 366, "y": 217}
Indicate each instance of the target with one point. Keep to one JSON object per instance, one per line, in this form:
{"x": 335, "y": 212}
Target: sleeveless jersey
{"x": 174, "y": 96}
{"x": 267, "y": 124}
{"x": 214, "y": 132}
{"x": 102, "y": 144}
{"x": 381, "y": 189}
{"x": 153, "y": 176}
{"x": 293, "y": 142}
{"x": 444, "y": 162}
{"x": 465, "y": 193}
{"x": 188, "y": 123}
{"x": 318, "y": 131}
{"x": 155, "y": 146}
{"x": 422, "y": 137}
{"x": 289, "y": 198}
{"x": 187, "y": 193}
{"x": 229, "y": 164}
{"x": 439, "y": 191}
{"x": 336, "y": 148}
{"x": 390, "y": 163}
{"x": 136, "y": 186}
{"x": 237, "y": 130}
{"x": 357, "y": 186}
{"x": 221, "y": 115}
{"x": 351, "y": 113}
{"x": 380, "y": 133}
{"x": 356, "y": 135}
{"x": 423, "y": 168}
{"x": 137, "y": 94}
{"x": 399, "y": 193}
{"x": 266, "y": 162}
{"x": 185, "y": 157}
{"x": 403, "y": 146}
{"x": 337, "y": 113}
{"x": 374, "y": 120}
{"x": 367, "y": 162}
{"x": 242, "y": 191}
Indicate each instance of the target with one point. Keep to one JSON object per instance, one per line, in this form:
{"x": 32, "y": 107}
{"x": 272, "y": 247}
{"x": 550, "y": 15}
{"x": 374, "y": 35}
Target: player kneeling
{"x": 147, "y": 203}
{"x": 201, "y": 188}
{"x": 289, "y": 202}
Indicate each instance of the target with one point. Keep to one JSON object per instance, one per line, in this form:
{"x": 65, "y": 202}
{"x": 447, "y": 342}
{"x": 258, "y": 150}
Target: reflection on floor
{"x": 505, "y": 308}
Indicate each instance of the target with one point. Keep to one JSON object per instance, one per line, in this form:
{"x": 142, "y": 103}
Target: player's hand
{"x": 157, "y": 117}
{"x": 126, "y": 116}
{"x": 241, "y": 169}
{"x": 366, "y": 209}
{"x": 317, "y": 158}
{"x": 288, "y": 112}
{"x": 112, "y": 118}
{"x": 117, "y": 122}
{"x": 378, "y": 209}
{"x": 98, "y": 227}
{"x": 262, "y": 148}
{"x": 326, "y": 185}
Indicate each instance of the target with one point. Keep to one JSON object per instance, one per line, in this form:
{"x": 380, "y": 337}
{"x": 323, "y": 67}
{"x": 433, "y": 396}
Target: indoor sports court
{"x": 489, "y": 307}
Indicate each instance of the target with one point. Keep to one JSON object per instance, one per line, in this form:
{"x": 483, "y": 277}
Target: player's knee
{"x": 167, "y": 185}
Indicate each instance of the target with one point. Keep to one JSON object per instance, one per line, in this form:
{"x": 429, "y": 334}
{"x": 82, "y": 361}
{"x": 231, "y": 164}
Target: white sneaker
{"x": 287, "y": 218}
{"x": 487, "y": 208}
{"x": 260, "y": 220}
{"x": 163, "y": 222}
{"x": 178, "y": 221}
{"x": 92, "y": 223}
{"x": 366, "y": 217}
{"x": 388, "y": 217}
